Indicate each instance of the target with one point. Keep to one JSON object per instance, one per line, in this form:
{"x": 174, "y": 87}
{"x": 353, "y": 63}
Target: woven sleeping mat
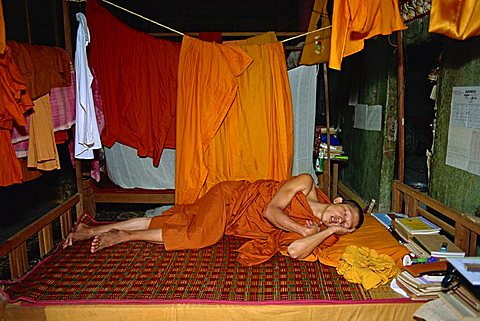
{"x": 139, "y": 272}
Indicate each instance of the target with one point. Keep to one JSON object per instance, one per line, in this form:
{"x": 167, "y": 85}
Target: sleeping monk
{"x": 269, "y": 213}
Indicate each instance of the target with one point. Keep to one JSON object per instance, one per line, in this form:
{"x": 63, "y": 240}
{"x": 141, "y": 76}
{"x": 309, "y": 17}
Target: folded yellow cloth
{"x": 366, "y": 266}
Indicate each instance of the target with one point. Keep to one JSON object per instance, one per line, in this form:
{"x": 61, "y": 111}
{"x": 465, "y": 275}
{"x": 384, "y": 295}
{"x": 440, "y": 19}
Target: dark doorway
{"x": 420, "y": 78}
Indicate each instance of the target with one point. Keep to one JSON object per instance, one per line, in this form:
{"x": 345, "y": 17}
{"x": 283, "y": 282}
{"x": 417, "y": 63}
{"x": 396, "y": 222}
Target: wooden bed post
{"x": 401, "y": 106}
{"x": 396, "y": 198}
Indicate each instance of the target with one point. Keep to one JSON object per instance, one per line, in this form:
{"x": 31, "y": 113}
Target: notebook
{"x": 418, "y": 225}
{"x": 438, "y": 245}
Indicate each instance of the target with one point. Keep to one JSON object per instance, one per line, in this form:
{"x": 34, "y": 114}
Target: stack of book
{"x": 419, "y": 235}
{"x": 408, "y": 227}
{"x": 422, "y": 288}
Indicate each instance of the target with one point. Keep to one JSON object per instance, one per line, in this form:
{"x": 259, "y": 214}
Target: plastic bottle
{"x": 320, "y": 161}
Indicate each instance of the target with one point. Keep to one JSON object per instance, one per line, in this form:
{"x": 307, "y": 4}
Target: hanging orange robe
{"x": 14, "y": 103}
{"x": 354, "y": 21}
{"x": 42, "y": 148}
{"x": 42, "y": 67}
{"x": 255, "y": 141}
{"x": 457, "y": 19}
{"x": 207, "y": 88}
{"x": 137, "y": 76}
{"x": 235, "y": 208}
{"x": 233, "y": 122}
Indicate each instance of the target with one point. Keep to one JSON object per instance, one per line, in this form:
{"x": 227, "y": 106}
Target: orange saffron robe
{"x": 354, "y": 21}
{"x": 14, "y": 103}
{"x": 234, "y": 208}
{"x": 234, "y": 115}
{"x": 457, "y": 19}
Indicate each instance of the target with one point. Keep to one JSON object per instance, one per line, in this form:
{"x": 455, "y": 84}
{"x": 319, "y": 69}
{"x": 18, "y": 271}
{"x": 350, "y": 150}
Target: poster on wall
{"x": 463, "y": 148}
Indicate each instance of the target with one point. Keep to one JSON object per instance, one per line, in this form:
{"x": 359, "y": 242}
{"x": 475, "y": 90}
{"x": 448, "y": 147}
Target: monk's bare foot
{"x": 107, "y": 239}
{"x": 82, "y": 232}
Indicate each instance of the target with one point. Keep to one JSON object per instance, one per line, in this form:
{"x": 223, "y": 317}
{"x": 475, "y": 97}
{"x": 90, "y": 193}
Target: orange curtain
{"x": 354, "y": 21}
{"x": 256, "y": 139}
{"x": 457, "y": 19}
{"x": 233, "y": 122}
{"x": 207, "y": 88}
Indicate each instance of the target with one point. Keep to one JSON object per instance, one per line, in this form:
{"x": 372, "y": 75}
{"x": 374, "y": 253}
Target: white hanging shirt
{"x": 87, "y": 137}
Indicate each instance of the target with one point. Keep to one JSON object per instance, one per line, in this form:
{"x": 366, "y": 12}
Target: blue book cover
{"x": 383, "y": 218}
{"x": 386, "y": 218}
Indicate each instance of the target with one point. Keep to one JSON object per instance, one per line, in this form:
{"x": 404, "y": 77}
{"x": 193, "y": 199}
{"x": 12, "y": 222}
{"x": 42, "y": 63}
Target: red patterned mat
{"x": 139, "y": 272}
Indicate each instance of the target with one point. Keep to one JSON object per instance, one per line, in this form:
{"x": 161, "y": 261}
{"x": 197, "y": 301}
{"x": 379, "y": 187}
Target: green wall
{"x": 372, "y": 154}
{"x": 460, "y": 66}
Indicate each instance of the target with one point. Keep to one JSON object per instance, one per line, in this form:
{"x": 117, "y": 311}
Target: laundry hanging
{"x": 14, "y": 103}
{"x": 303, "y": 84}
{"x": 42, "y": 150}
{"x": 42, "y": 67}
{"x": 137, "y": 74}
{"x": 354, "y": 21}
{"x": 87, "y": 136}
{"x": 459, "y": 19}
{"x": 233, "y": 122}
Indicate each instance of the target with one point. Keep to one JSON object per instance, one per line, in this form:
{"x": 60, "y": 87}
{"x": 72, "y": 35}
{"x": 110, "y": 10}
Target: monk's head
{"x": 345, "y": 213}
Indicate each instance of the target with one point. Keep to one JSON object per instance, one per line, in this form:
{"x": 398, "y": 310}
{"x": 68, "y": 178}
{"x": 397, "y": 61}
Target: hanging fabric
{"x": 207, "y": 88}
{"x": 127, "y": 170}
{"x": 14, "y": 103}
{"x": 458, "y": 19}
{"x": 256, "y": 139}
{"x": 354, "y": 21}
{"x": 87, "y": 137}
{"x": 316, "y": 49}
{"x": 137, "y": 75}
{"x": 42, "y": 150}
{"x": 238, "y": 125}
{"x": 42, "y": 67}
{"x": 303, "y": 85}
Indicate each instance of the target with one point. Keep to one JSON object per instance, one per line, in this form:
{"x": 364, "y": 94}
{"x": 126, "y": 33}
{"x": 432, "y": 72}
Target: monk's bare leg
{"x": 85, "y": 232}
{"x": 116, "y": 236}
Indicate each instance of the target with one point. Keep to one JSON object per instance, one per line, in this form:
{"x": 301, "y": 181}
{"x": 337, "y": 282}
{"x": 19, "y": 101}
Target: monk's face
{"x": 338, "y": 214}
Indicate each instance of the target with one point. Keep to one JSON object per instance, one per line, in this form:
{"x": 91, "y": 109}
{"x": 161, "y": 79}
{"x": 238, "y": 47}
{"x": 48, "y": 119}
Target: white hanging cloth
{"x": 87, "y": 137}
{"x": 127, "y": 170}
{"x": 303, "y": 86}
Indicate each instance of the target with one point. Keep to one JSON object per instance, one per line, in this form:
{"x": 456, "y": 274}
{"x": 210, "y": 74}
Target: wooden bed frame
{"x": 463, "y": 228}
{"x": 108, "y": 192}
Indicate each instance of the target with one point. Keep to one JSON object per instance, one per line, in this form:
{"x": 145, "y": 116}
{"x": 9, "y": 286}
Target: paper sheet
{"x": 463, "y": 148}
{"x": 368, "y": 117}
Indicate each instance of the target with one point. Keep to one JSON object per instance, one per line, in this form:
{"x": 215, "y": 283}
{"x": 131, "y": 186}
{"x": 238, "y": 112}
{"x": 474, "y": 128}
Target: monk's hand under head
{"x": 311, "y": 228}
{"x": 340, "y": 230}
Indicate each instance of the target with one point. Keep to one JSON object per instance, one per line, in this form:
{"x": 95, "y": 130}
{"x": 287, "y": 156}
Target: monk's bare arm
{"x": 274, "y": 210}
{"x": 301, "y": 248}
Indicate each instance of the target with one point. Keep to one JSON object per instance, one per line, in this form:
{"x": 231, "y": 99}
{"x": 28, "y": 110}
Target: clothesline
{"x": 140, "y": 16}
{"x": 181, "y": 33}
